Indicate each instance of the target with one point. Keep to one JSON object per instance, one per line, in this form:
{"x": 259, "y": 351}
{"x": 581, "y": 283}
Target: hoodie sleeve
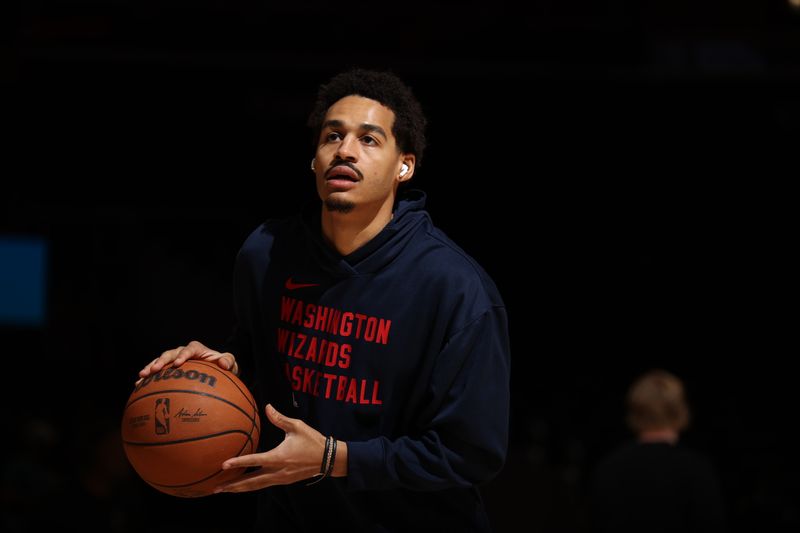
{"x": 466, "y": 423}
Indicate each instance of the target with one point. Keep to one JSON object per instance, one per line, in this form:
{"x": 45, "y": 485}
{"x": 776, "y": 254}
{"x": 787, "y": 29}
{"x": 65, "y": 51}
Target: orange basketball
{"x": 180, "y": 424}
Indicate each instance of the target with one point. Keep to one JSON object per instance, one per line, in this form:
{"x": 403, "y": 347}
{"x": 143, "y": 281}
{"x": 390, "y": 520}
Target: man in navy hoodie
{"x": 379, "y": 347}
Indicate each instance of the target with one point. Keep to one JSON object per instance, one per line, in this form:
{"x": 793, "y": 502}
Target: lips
{"x": 342, "y": 172}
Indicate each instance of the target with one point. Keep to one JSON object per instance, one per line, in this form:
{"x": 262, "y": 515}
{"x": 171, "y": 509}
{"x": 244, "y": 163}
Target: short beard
{"x": 339, "y": 206}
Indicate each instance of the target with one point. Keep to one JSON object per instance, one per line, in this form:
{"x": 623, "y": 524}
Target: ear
{"x": 410, "y": 161}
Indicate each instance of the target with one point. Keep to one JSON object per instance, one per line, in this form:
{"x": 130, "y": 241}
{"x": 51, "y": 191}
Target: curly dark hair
{"x": 384, "y": 87}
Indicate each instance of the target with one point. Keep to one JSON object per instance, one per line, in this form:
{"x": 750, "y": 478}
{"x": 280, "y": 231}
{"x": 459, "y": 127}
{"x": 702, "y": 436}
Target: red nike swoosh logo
{"x": 291, "y": 285}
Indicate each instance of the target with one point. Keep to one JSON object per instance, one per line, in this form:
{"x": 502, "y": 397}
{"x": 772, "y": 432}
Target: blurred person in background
{"x": 653, "y": 484}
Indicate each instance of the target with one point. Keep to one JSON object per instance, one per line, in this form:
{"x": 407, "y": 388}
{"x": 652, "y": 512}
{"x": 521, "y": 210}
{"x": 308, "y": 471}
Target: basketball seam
{"x": 205, "y": 478}
{"x": 189, "y": 439}
{"x": 185, "y": 484}
{"x": 182, "y": 441}
{"x": 246, "y": 394}
{"x": 154, "y": 393}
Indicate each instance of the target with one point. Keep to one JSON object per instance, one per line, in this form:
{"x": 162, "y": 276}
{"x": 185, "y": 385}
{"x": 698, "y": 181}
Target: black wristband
{"x": 324, "y": 467}
{"x": 329, "y": 471}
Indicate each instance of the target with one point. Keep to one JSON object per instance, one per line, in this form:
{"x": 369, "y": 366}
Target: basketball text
{"x": 177, "y": 373}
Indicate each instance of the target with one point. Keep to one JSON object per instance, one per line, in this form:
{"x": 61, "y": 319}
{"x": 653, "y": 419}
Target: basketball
{"x": 181, "y": 424}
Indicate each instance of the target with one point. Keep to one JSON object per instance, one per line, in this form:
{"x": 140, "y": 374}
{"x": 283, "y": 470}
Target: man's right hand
{"x": 193, "y": 350}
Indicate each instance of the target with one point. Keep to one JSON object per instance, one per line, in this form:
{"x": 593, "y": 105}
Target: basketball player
{"x": 379, "y": 347}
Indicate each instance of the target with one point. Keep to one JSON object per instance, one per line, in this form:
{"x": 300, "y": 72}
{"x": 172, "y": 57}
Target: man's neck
{"x": 659, "y": 435}
{"x": 347, "y": 232}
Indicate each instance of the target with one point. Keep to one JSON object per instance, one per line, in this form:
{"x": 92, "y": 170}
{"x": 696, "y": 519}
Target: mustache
{"x": 346, "y": 164}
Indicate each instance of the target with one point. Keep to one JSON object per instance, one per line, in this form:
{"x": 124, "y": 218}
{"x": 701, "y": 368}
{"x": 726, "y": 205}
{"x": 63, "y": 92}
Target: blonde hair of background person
{"x": 657, "y": 408}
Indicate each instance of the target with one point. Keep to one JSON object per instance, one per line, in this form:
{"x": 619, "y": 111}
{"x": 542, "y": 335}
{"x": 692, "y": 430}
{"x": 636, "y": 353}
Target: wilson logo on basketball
{"x": 177, "y": 373}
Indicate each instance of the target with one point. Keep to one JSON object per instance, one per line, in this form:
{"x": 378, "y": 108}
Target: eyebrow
{"x": 365, "y": 126}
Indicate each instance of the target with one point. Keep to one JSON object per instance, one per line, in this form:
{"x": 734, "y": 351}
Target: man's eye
{"x": 332, "y": 136}
{"x": 368, "y": 140}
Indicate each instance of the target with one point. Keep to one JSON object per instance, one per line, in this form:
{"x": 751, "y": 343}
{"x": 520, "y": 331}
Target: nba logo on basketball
{"x": 162, "y": 416}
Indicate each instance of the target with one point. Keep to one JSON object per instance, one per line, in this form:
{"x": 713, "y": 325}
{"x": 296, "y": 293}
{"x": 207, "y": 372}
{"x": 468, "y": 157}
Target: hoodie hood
{"x": 409, "y": 218}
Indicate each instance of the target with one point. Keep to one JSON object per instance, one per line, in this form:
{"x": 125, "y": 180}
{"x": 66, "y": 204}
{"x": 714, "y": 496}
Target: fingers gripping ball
{"x": 180, "y": 424}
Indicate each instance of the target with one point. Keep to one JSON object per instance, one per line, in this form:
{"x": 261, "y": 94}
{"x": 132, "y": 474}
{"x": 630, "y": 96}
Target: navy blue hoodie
{"x": 400, "y": 349}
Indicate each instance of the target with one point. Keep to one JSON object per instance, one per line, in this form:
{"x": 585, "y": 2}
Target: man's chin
{"x": 336, "y": 205}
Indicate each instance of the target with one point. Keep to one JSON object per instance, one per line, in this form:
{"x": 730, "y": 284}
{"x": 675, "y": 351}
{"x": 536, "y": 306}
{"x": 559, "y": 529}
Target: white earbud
{"x": 312, "y": 164}
{"x": 403, "y": 170}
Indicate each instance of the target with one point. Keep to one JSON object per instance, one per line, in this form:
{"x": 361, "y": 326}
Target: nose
{"x": 347, "y": 149}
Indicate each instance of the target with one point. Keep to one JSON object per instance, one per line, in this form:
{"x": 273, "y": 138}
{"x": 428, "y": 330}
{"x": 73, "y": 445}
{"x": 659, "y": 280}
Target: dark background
{"x": 616, "y": 167}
